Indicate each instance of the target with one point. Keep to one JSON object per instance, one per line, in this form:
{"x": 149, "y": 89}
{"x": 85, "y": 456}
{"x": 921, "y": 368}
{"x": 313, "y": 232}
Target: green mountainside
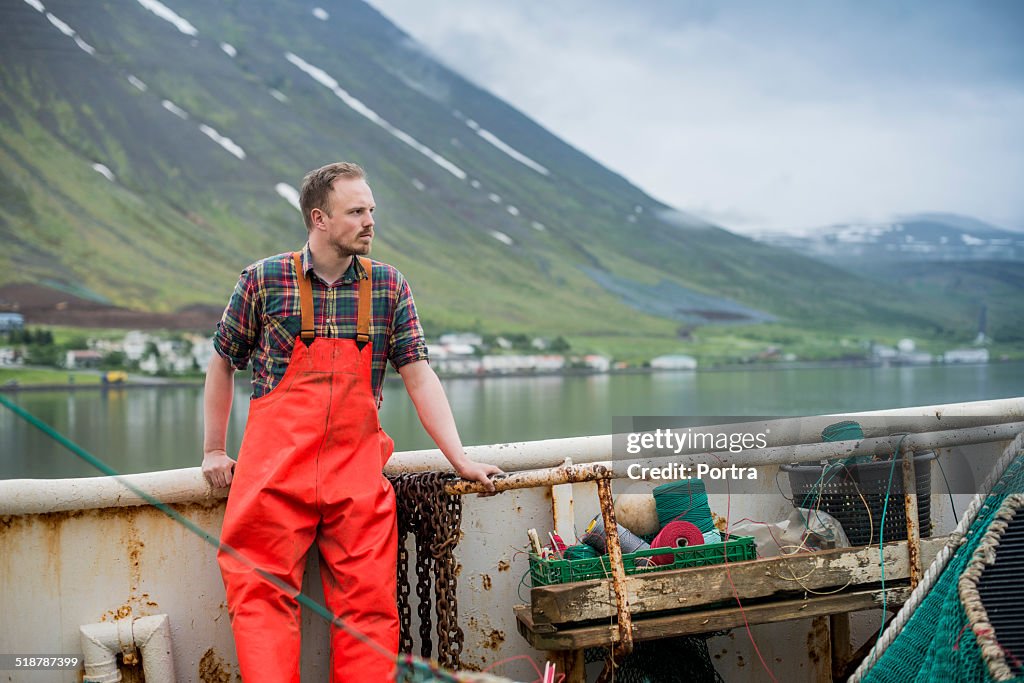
{"x": 498, "y": 224}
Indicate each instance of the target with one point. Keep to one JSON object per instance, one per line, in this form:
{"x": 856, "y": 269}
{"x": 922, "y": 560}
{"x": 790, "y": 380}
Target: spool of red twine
{"x": 676, "y": 534}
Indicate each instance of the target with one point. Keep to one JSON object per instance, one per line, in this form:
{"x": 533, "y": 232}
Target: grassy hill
{"x": 499, "y": 225}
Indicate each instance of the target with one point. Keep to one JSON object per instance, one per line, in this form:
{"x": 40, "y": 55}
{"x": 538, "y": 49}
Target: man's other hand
{"x": 218, "y": 469}
{"x": 480, "y": 472}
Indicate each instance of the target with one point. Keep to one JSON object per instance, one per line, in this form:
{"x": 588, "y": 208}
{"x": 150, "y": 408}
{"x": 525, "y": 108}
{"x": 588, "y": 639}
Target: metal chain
{"x": 423, "y": 587}
{"x": 435, "y": 520}
{"x": 446, "y": 516}
{"x": 405, "y": 514}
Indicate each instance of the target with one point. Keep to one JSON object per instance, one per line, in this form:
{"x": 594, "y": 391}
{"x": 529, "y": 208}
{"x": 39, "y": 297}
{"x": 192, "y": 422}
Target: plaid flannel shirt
{"x": 263, "y": 317}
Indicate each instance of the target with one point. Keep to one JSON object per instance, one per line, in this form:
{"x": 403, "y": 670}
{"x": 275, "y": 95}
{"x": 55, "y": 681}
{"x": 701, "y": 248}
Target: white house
{"x": 11, "y": 321}
{"x": 914, "y": 358}
{"x": 966, "y": 356}
{"x": 82, "y": 359}
{"x": 466, "y": 365}
{"x": 202, "y": 350}
{"x": 674, "y": 362}
{"x": 549, "y": 363}
{"x": 520, "y": 363}
{"x": 880, "y": 352}
{"x": 9, "y": 356}
{"x": 459, "y": 349}
{"x": 467, "y": 338}
{"x": 134, "y": 344}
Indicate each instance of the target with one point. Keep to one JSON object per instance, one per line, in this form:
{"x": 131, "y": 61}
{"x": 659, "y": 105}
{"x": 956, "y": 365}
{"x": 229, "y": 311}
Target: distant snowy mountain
{"x": 918, "y": 237}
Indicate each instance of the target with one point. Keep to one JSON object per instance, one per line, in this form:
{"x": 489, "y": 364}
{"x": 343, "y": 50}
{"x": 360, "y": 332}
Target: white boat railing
{"x": 789, "y": 440}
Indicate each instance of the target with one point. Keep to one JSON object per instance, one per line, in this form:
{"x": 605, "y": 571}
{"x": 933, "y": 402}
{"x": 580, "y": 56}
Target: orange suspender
{"x": 364, "y": 314}
{"x": 305, "y": 300}
{"x": 365, "y": 294}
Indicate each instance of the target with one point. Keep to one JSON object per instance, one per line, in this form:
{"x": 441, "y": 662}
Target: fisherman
{"x": 319, "y": 326}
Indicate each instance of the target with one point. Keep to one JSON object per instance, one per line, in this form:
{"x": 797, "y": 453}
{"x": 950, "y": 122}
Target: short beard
{"x": 344, "y": 251}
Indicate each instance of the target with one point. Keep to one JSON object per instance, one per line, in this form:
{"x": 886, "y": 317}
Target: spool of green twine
{"x": 848, "y": 430}
{"x": 579, "y": 552}
{"x": 685, "y": 500}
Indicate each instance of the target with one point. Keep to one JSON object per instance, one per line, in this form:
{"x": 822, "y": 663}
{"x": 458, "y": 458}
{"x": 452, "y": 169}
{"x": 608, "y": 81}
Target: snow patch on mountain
{"x": 167, "y": 14}
{"x": 174, "y": 109}
{"x": 503, "y": 146}
{"x": 104, "y": 171}
{"x": 289, "y": 193}
{"x": 324, "y": 79}
{"x": 225, "y": 142}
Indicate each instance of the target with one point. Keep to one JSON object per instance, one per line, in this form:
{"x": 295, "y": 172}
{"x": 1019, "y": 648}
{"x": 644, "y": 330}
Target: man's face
{"x": 350, "y": 225}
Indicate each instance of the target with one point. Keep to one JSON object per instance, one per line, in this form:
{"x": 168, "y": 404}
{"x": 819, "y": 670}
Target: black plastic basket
{"x": 841, "y": 489}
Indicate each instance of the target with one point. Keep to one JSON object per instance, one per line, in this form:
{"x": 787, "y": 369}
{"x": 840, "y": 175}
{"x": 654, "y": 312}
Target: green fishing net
{"x": 936, "y": 643}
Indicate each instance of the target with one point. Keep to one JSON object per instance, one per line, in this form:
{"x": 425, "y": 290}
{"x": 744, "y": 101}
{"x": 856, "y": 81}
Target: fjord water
{"x": 139, "y": 430}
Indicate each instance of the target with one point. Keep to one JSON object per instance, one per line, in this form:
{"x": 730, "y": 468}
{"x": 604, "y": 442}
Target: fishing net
{"x": 937, "y": 642}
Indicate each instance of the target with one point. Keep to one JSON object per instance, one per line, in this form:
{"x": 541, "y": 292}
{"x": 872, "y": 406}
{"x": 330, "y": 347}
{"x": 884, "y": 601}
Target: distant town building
{"x": 202, "y": 351}
{"x": 883, "y": 353}
{"x": 549, "y": 363}
{"x": 674, "y": 362}
{"x": 459, "y": 349}
{"x": 451, "y": 365}
{"x": 75, "y": 360}
{"x": 903, "y": 354}
{"x": 436, "y": 352}
{"x": 966, "y": 356}
{"x": 150, "y": 365}
{"x": 913, "y": 358}
{"x": 134, "y": 344}
{"x": 461, "y": 338}
{"x": 518, "y": 363}
{"x": 11, "y": 321}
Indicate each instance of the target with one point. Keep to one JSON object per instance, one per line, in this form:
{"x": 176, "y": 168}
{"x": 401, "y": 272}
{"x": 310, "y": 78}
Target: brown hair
{"x": 317, "y": 186}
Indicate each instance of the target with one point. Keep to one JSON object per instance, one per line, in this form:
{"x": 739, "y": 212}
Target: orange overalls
{"x": 310, "y": 468}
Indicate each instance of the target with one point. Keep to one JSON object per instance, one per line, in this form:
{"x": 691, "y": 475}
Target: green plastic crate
{"x": 547, "y": 572}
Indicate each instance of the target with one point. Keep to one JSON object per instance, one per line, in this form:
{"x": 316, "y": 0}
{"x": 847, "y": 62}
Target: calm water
{"x": 139, "y": 430}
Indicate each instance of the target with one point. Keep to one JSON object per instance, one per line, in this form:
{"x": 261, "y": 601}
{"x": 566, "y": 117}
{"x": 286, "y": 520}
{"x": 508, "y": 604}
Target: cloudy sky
{"x": 763, "y": 115}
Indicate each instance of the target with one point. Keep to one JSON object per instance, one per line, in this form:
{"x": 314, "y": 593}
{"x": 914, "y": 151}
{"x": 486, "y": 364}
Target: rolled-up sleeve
{"x": 237, "y": 330}
{"x": 408, "y": 344}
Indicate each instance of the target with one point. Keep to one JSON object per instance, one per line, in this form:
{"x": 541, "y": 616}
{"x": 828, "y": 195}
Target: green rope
{"x": 881, "y": 531}
{"x": 685, "y": 500}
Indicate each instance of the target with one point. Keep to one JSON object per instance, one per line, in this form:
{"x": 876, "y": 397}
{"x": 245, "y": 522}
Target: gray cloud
{"x": 764, "y": 115}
